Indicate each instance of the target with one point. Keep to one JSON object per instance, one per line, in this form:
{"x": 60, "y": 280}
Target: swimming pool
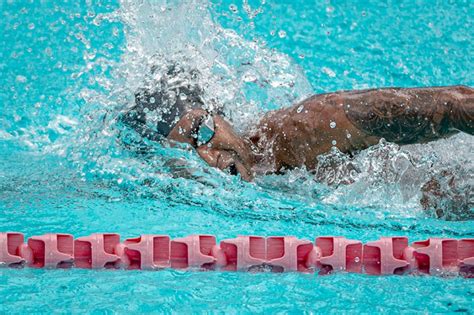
{"x": 68, "y": 69}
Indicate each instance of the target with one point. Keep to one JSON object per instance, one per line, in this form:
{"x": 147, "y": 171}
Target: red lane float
{"x": 52, "y": 250}
{"x": 148, "y": 252}
{"x": 388, "y": 255}
{"x": 340, "y": 254}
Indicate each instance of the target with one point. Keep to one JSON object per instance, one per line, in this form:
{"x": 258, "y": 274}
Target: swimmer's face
{"x": 226, "y": 150}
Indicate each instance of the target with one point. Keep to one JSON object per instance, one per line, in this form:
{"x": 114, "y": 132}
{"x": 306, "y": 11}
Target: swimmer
{"x": 293, "y": 137}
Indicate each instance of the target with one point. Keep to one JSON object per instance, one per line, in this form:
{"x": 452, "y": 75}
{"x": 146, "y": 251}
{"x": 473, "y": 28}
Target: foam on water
{"x": 239, "y": 75}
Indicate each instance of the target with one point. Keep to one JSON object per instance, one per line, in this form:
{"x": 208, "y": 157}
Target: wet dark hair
{"x": 160, "y": 105}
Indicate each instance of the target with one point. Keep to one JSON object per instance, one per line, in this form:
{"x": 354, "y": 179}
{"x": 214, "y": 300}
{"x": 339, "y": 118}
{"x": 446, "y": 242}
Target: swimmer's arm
{"x": 356, "y": 120}
{"x": 409, "y": 115}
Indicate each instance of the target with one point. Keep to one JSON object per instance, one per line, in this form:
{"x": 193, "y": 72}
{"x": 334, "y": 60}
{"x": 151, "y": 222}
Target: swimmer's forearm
{"x": 411, "y": 115}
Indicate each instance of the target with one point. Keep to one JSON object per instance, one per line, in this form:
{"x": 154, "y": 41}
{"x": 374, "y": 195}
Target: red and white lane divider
{"x": 388, "y": 255}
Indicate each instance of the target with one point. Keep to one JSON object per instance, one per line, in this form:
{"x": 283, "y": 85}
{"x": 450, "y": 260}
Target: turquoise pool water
{"x": 68, "y": 69}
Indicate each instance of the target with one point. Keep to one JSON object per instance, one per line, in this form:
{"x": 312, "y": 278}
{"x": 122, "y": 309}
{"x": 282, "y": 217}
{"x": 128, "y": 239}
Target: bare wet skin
{"x": 350, "y": 121}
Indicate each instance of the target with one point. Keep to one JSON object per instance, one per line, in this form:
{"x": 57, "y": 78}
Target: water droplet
{"x": 183, "y": 96}
{"x": 332, "y": 124}
{"x": 152, "y": 100}
{"x": 329, "y": 9}
{"x": 348, "y": 136}
{"x": 300, "y": 109}
{"x": 282, "y": 34}
{"x": 31, "y": 26}
{"x": 233, "y": 8}
{"x": 21, "y": 78}
{"x": 329, "y": 72}
{"x": 48, "y": 51}
{"x": 334, "y": 142}
{"x": 356, "y": 259}
{"x": 249, "y": 77}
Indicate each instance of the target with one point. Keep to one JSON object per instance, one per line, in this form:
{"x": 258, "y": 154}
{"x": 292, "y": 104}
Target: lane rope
{"x": 327, "y": 254}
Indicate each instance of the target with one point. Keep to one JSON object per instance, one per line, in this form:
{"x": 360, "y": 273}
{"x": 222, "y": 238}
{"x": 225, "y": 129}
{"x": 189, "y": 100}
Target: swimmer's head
{"x": 160, "y": 103}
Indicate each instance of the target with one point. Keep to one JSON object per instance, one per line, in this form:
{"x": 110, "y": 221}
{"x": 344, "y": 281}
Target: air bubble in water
{"x": 282, "y": 34}
{"x": 233, "y": 8}
{"x": 31, "y": 26}
{"x": 332, "y": 124}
